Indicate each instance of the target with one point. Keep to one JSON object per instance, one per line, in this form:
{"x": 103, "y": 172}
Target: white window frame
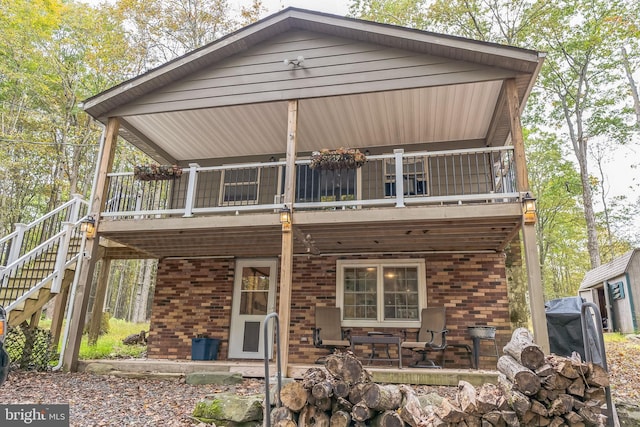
{"x": 228, "y": 186}
{"x": 380, "y": 264}
{"x": 411, "y": 175}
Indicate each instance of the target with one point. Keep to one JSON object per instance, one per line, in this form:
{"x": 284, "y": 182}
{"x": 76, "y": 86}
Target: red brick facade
{"x": 194, "y": 297}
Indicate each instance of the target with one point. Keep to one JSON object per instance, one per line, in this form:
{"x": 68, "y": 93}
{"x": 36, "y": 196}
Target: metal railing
{"x": 40, "y": 252}
{"x": 484, "y": 175}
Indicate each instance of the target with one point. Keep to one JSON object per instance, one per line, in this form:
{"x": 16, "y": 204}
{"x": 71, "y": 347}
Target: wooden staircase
{"x": 40, "y": 269}
{"x": 38, "y": 261}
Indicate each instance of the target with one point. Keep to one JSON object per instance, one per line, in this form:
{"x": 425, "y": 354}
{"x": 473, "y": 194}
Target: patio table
{"x": 379, "y": 339}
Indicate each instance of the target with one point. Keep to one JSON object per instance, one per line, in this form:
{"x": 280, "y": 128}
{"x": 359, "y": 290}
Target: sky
{"x": 336, "y": 7}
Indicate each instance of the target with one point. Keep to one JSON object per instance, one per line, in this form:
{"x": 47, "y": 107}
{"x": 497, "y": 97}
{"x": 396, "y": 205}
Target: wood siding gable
{"x": 331, "y": 66}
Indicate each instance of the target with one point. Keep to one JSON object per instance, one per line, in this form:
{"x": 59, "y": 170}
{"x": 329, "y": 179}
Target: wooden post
{"x": 81, "y": 301}
{"x": 532, "y": 259}
{"x": 58, "y": 316}
{"x": 286, "y": 260}
{"x": 98, "y": 301}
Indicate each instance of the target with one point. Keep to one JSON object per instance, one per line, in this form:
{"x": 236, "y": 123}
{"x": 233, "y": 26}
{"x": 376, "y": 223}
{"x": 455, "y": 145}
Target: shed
{"x": 614, "y": 287}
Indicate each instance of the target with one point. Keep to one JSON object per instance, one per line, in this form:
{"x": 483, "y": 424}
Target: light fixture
{"x": 88, "y": 226}
{"x": 285, "y": 218}
{"x": 529, "y": 208}
{"x": 295, "y": 62}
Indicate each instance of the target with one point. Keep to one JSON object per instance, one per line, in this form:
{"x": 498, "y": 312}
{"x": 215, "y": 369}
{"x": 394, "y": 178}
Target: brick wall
{"x": 194, "y": 296}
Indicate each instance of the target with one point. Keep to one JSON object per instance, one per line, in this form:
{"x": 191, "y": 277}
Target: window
{"x": 415, "y": 177}
{"x": 381, "y": 292}
{"x": 240, "y": 187}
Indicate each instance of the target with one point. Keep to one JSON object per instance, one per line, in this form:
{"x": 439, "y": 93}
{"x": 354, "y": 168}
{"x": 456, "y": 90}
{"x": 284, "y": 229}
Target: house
{"x": 615, "y": 288}
{"x": 423, "y": 222}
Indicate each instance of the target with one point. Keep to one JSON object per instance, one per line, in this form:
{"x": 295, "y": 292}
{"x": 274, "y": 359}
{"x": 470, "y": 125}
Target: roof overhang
{"x": 465, "y": 108}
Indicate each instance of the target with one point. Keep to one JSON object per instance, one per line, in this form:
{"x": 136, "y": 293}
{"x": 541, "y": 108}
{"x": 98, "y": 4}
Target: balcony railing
{"x": 418, "y": 178}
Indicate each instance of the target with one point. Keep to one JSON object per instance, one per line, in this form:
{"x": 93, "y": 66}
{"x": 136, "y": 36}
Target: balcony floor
{"x": 441, "y": 228}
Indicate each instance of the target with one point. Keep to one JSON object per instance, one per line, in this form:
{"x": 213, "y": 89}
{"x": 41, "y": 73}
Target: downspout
{"x": 80, "y": 262}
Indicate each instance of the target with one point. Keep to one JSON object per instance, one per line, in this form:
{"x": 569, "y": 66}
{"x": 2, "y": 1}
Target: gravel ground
{"x": 103, "y": 400}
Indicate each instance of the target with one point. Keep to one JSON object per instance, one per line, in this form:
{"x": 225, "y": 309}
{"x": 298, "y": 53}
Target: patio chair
{"x": 328, "y": 333}
{"x": 432, "y": 336}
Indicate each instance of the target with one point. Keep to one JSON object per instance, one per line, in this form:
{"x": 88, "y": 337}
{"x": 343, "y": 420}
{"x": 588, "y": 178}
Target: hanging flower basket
{"x": 152, "y": 172}
{"x": 342, "y": 158}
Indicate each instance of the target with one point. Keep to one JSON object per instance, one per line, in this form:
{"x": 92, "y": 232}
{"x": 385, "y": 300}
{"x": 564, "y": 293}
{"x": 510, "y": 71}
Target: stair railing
{"x": 53, "y": 255}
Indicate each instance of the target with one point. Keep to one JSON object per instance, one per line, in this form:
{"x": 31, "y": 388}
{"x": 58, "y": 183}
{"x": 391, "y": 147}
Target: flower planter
{"x": 342, "y": 158}
{"x": 152, "y": 172}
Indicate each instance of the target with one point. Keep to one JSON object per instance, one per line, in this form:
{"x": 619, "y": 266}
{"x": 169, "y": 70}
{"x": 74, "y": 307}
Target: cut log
{"x": 597, "y": 376}
{"x": 510, "y": 418}
{"x": 494, "y": 418}
{"x": 410, "y": 411}
{"x": 382, "y": 397}
{"x": 596, "y": 394}
{"x": 361, "y": 412}
{"x": 577, "y": 387}
{"x": 341, "y": 404}
{"x": 591, "y": 413}
{"x": 471, "y": 421}
{"x": 516, "y": 400}
{"x": 573, "y": 419}
{"x": 544, "y": 370}
{"x": 524, "y": 379}
{"x": 557, "y": 422}
{"x": 322, "y": 390}
{"x": 285, "y": 423}
{"x": 324, "y": 404}
{"x": 313, "y": 376}
{"x": 387, "y": 419}
{"x": 346, "y": 367}
{"x": 489, "y": 398}
{"x": 566, "y": 368}
{"x": 340, "y": 419}
{"x": 311, "y": 416}
{"x": 538, "y": 408}
{"x": 562, "y": 405}
{"x": 524, "y": 350}
{"x": 340, "y": 389}
{"x": 282, "y": 413}
{"x": 293, "y": 396}
{"x": 449, "y": 413}
{"x": 355, "y": 394}
{"x": 467, "y": 397}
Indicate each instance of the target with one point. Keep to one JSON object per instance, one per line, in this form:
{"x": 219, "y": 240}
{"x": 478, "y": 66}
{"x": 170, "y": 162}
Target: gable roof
{"x": 614, "y": 268}
{"x": 150, "y": 114}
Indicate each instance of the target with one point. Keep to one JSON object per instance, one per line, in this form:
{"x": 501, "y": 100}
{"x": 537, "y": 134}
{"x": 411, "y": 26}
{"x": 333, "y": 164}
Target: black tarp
{"x": 565, "y": 328}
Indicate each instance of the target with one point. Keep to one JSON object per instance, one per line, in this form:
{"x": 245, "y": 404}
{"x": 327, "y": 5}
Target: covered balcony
{"x": 454, "y": 200}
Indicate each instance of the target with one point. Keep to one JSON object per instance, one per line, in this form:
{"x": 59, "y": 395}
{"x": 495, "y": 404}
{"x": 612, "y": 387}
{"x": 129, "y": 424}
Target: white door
{"x": 254, "y": 293}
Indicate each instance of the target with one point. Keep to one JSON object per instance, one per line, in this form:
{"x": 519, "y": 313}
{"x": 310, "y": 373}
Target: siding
{"x": 331, "y": 66}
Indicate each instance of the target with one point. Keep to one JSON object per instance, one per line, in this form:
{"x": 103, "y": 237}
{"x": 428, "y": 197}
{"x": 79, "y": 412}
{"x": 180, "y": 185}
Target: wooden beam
{"x": 286, "y": 260}
{"x": 517, "y": 139}
{"x": 98, "y": 302}
{"x": 536, "y": 292}
{"x": 81, "y": 301}
{"x": 532, "y": 259}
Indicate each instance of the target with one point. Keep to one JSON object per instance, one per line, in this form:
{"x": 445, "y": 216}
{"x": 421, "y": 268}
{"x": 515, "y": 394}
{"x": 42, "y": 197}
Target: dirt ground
{"x": 104, "y": 400}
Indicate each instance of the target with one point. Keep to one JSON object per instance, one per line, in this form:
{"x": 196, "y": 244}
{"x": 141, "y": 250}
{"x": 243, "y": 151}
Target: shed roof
{"x": 614, "y": 268}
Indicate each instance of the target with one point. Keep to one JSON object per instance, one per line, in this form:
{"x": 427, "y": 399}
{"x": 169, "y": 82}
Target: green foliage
{"x": 110, "y": 346}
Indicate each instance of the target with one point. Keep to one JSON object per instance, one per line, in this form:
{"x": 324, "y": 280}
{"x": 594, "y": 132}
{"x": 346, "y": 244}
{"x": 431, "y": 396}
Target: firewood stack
{"x": 533, "y": 390}
{"x": 553, "y": 390}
